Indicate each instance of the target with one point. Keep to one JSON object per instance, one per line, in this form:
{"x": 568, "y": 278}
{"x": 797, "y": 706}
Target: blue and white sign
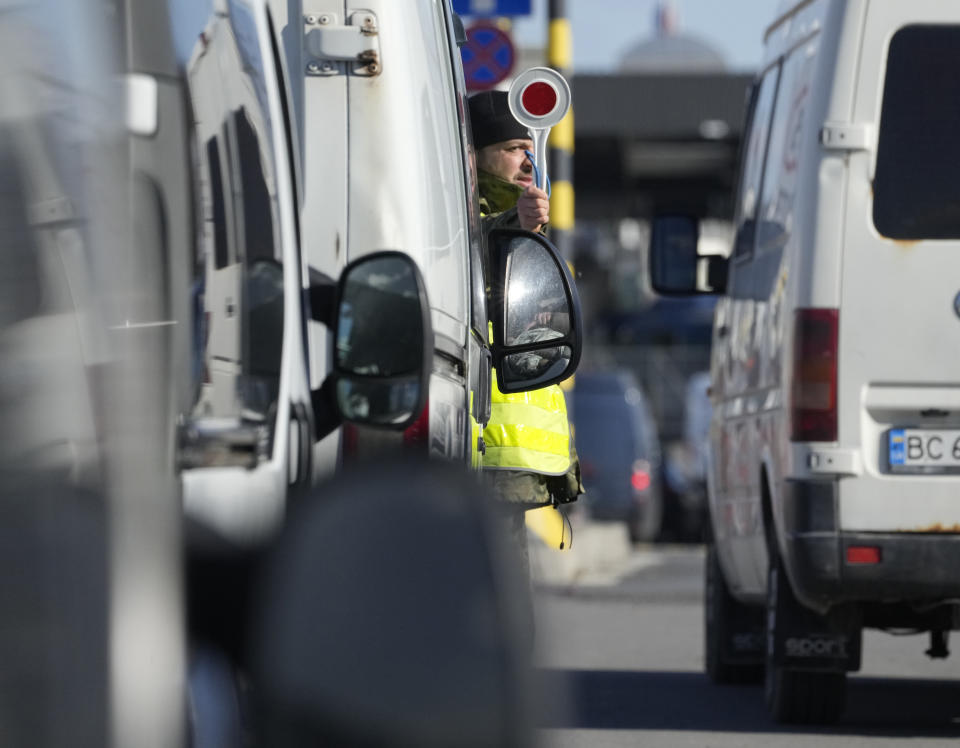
{"x": 488, "y": 56}
{"x": 492, "y": 7}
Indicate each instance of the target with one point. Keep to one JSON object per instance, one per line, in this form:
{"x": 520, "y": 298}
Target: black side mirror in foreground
{"x": 383, "y": 343}
{"x": 537, "y": 324}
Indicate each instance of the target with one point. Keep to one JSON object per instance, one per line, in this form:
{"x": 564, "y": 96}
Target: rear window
{"x": 917, "y": 186}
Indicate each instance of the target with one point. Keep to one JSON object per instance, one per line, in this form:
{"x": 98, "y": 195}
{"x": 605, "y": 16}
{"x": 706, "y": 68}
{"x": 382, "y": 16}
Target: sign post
{"x": 539, "y": 98}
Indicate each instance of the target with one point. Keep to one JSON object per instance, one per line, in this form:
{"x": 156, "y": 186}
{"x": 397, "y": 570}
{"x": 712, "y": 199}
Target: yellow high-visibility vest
{"x": 528, "y": 431}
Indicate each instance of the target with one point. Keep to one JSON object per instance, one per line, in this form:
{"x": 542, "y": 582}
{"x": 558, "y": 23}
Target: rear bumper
{"x": 912, "y": 567}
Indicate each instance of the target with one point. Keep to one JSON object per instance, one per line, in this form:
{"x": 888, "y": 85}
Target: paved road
{"x": 623, "y": 642}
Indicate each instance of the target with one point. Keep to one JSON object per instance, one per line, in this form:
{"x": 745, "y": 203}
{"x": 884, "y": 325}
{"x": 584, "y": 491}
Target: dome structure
{"x": 669, "y": 51}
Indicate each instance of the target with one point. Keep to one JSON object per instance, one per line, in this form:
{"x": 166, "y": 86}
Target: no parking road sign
{"x": 488, "y": 56}
{"x": 539, "y": 98}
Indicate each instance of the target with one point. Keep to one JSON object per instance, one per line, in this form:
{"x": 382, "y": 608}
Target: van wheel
{"x": 793, "y": 695}
{"x": 733, "y": 632}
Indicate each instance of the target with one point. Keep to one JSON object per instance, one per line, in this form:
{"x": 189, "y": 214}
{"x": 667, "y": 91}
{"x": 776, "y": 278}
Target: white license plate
{"x": 924, "y": 448}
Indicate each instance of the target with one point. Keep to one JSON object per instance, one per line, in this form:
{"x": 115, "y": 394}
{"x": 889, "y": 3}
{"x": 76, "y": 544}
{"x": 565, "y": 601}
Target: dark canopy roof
{"x": 666, "y": 141}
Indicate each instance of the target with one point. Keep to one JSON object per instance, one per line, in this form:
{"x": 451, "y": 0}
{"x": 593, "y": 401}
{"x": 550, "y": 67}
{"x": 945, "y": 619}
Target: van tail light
{"x": 814, "y": 393}
{"x": 863, "y": 554}
{"x": 640, "y": 476}
{"x": 417, "y": 434}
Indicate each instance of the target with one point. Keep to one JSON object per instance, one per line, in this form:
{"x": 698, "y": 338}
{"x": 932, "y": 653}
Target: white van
{"x": 304, "y": 182}
{"x": 378, "y": 104}
{"x": 834, "y": 483}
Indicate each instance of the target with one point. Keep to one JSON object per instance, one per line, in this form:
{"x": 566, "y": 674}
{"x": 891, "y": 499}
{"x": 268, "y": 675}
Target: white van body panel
{"x": 383, "y": 168}
{"x": 408, "y": 189}
{"x": 817, "y": 246}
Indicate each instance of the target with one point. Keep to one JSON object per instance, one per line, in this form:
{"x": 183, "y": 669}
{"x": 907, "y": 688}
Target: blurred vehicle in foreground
{"x": 388, "y": 615}
{"x": 616, "y": 439}
{"x": 90, "y": 596}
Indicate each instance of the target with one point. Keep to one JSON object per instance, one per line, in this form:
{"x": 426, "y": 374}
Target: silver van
{"x": 378, "y": 104}
{"x": 289, "y": 157}
{"x": 835, "y": 438}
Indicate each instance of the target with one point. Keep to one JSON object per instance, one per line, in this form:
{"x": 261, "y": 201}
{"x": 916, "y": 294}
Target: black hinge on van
{"x": 335, "y": 48}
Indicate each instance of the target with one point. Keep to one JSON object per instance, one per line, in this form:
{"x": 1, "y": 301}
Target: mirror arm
{"x": 323, "y": 290}
{"x": 326, "y": 415}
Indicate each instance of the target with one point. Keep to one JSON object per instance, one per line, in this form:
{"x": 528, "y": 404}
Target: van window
{"x": 220, "y": 250}
{"x": 753, "y": 160}
{"x": 784, "y": 152}
{"x": 257, "y": 203}
{"x": 916, "y": 189}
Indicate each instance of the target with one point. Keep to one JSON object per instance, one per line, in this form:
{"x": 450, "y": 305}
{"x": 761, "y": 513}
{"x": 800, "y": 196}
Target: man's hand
{"x": 533, "y": 209}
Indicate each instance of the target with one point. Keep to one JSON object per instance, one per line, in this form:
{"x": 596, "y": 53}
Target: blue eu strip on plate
{"x": 897, "y": 447}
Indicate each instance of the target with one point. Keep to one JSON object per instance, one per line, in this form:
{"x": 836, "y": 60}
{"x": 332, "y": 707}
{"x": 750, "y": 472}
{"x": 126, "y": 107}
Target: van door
{"x": 899, "y": 318}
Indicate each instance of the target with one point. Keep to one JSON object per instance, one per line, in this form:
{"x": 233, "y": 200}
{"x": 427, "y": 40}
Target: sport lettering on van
{"x": 816, "y": 646}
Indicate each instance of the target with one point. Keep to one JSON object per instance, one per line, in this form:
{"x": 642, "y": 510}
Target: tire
{"x": 723, "y": 616}
{"x": 792, "y": 695}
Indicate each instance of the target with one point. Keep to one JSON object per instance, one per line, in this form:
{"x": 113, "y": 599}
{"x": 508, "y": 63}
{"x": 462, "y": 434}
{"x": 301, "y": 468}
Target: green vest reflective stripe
{"x": 528, "y": 431}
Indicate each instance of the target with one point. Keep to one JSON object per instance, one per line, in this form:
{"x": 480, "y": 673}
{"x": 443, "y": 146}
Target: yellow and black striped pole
{"x": 560, "y": 58}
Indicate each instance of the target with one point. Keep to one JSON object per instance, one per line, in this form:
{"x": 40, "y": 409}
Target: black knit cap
{"x": 491, "y": 120}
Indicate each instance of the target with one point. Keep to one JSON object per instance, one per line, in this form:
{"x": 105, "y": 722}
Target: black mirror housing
{"x": 676, "y": 267}
{"x": 383, "y": 345}
{"x": 535, "y": 312}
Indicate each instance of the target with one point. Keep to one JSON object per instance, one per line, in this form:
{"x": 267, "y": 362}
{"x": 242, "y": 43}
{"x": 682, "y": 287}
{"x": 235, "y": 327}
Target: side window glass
{"x": 219, "y": 216}
{"x": 255, "y": 203}
{"x": 775, "y": 217}
{"x": 754, "y": 154}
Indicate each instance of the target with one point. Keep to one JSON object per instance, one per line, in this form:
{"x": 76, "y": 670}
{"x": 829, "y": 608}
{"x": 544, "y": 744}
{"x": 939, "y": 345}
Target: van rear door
{"x": 899, "y": 320}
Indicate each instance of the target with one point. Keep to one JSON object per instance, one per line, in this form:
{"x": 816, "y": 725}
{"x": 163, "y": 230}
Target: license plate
{"x": 925, "y": 449}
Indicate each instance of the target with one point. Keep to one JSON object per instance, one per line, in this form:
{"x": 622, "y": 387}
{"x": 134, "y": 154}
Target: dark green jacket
{"x": 498, "y": 201}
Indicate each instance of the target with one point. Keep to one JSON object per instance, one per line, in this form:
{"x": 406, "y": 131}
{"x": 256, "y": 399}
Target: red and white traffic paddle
{"x": 539, "y": 98}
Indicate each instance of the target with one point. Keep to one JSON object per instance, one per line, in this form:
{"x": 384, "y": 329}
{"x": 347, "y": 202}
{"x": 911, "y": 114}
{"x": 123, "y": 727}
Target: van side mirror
{"x": 676, "y": 266}
{"x": 537, "y": 324}
{"x": 383, "y": 345}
